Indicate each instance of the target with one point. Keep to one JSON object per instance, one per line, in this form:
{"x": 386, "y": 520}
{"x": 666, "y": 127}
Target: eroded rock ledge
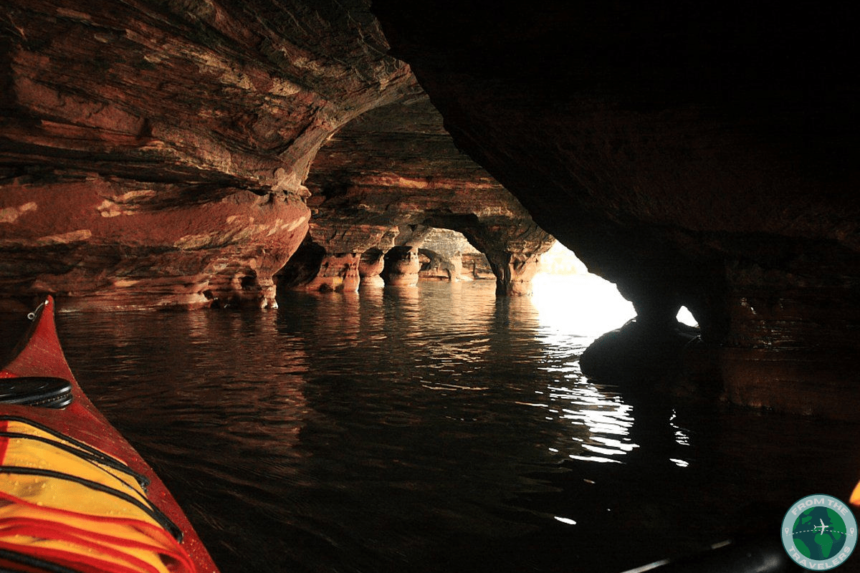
{"x": 154, "y": 153}
{"x": 124, "y": 244}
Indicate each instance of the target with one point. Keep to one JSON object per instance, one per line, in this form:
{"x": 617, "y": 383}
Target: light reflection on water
{"x": 431, "y": 429}
{"x": 573, "y": 310}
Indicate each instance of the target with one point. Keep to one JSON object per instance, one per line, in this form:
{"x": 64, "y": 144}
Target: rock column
{"x": 338, "y": 273}
{"x": 370, "y": 268}
{"x": 401, "y": 267}
{"x": 514, "y": 278}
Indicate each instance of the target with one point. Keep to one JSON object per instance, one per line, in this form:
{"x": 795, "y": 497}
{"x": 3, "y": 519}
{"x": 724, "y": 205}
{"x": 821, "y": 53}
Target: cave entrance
{"x": 565, "y": 293}
{"x": 446, "y": 254}
{"x": 570, "y": 299}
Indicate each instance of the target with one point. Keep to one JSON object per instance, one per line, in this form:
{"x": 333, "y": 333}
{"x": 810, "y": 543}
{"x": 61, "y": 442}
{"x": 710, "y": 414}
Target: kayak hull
{"x": 40, "y": 355}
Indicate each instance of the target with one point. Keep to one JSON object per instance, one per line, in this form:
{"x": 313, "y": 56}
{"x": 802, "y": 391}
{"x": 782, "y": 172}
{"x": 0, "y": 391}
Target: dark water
{"x": 435, "y": 429}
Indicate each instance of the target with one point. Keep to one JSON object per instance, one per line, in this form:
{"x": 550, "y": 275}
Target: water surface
{"x": 435, "y": 429}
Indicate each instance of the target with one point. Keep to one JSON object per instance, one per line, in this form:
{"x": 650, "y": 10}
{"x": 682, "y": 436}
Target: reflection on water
{"x": 573, "y": 310}
{"x": 434, "y": 429}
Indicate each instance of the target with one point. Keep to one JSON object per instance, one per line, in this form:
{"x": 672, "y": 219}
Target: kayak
{"x": 75, "y": 496}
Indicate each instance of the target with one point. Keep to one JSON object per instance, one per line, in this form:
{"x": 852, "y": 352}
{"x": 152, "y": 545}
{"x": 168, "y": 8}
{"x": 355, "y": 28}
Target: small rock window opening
{"x": 686, "y": 317}
{"x": 447, "y": 255}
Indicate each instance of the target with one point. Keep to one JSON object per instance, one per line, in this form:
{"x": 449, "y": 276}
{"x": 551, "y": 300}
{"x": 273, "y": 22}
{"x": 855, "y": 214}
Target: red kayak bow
{"x": 74, "y": 494}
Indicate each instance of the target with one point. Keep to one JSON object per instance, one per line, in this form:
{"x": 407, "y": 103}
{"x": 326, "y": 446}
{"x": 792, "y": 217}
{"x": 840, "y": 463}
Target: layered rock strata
{"x": 392, "y": 175}
{"x": 691, "y": 156}
{"x": 124, "y": 244}
{"x": 153, "y": 153}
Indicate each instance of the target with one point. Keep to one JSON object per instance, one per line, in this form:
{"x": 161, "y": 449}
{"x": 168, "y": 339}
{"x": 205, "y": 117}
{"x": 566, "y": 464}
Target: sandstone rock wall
{"x": 153, "y": 152}
{"x": 126, "y": 244}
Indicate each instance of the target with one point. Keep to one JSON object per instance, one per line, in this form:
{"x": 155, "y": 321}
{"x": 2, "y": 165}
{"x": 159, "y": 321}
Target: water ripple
{"x": 426, "y": 430}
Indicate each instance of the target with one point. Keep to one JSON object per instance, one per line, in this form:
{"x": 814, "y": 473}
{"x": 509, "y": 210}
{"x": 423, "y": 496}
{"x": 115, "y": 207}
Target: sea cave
{"x": 299, "y": 170}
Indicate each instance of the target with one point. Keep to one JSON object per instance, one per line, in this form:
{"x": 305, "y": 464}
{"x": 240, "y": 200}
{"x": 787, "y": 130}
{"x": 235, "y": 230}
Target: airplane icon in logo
{"x": 822, "y": 526}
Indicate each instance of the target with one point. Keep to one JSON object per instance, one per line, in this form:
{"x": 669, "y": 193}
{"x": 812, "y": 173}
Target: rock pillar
{"x": 514, "y": 272}
{"x": 337, "y": 273}
{"x": 370, "y": 268}
{"x": 401, "y": 267}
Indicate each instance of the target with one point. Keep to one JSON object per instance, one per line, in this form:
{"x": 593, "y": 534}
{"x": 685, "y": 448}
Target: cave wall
{"x": 127, "y": 244}
{"x": 446, "y": 251}
{"x": 703, "y": 154}
{"x": 155, "y": 119}
{"x": 153, "y": 153}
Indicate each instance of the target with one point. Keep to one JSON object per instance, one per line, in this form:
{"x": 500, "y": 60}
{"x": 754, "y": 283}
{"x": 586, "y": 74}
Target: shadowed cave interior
{"x": 222, "y": 154}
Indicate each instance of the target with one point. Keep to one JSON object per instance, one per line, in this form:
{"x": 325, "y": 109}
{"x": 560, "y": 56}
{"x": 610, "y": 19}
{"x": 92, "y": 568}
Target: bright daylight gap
{"x": 570, "y": 298}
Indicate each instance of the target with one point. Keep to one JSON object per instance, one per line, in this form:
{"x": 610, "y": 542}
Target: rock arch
{"x": 392, "y": 174}
{"x": 154, "y": 155}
